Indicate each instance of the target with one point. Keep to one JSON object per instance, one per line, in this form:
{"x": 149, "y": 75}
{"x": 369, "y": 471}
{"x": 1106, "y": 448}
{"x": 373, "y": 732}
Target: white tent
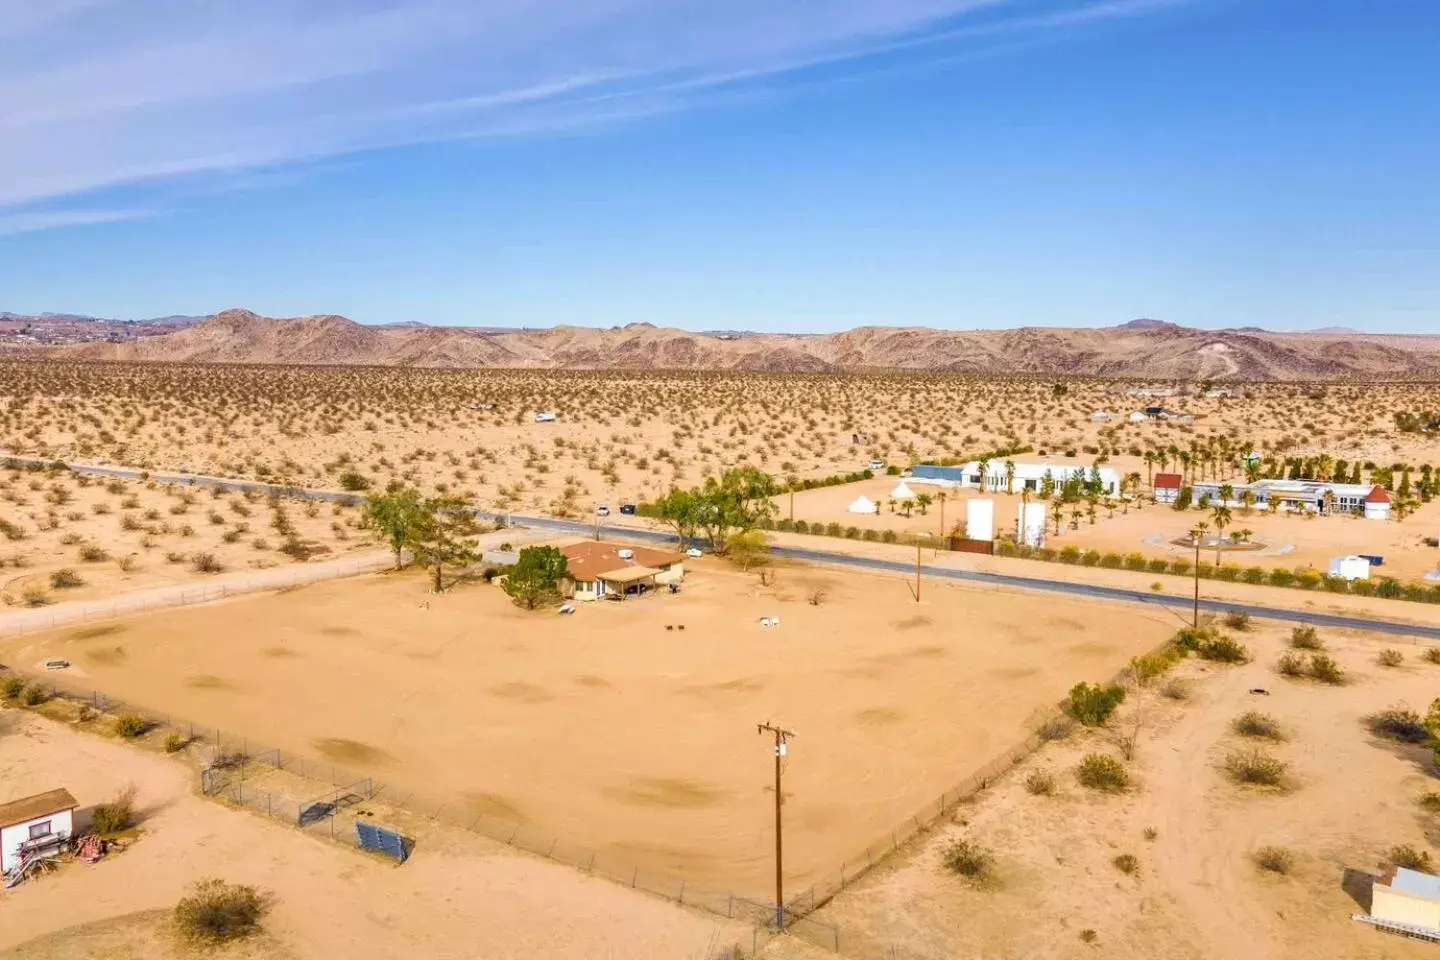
{"x": 863, "y": 505}
{"x": 902, "y": 492}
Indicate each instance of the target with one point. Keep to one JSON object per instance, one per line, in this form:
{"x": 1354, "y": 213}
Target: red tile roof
{"x": 1377, "y": 494}
{"x": 1168, "y": 481}
{"x": 593, "y": 558}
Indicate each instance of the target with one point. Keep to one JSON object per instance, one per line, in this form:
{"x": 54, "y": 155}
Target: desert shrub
{"x": 1092, "y": 704}
{"x": 1157, "y": 565}
{"x": 1058, "y": 729}
{"x": 1430, "y": 802}
{"x": 1292, "y": 665}
{"x": 1228, "y": 572}
{"x": 130, "y": 725}
{"x": 1126, "y": 863}
{"x": 1431, "y": 655}
{"x": 174, "y": 743}
{"x": 205, "y": 563}
{"x": 1280, "y": 577}
{"x": 1040, "y": 782}
{"x": 1091, "y": 558}
{"x": 11, "y": 688}
{"x": 888, "y": 536}
{"x": 1100, "y": 772}
{"x": 175, "y": 557}
{"x": 34, "y": 695}
{"x": 1306, "y": 638}
{"x": 1307, "y": 579}
{"x": 1253, "y": 575}
{"x": 1273, "y": 859}
{"x": 1070, "y": 554}
{"x": 353, "y": 482}
{"x": 1325, "y": 669}
{"x": 1390, "y": 657}
{"x": 1255, "y": 767}
{"x": 1237, "y": 620}
{"x": 801, "y": 526}
{"x": 1180, "y": 567}
{"x": 34, "y": 595}
{"x": 968, "y": 859}
{"x": 1112, "y": 561}
{"x": 217, "y": 912}
{"x": 1398, "y": 723}
{"x": 93, "y": 554}
{"x": 870, "y": 535}
{"x": 1390, "y": 589}
{"x": 852, "y": 533}
{"x": 1135, "y": 561}
{"x": 1175, "y": 690}
{"x": 1147, "y": 667}
{"x": 1256, "y": 724}
{"x": 117, "y": 814}
{"x": 1223, "y": 649}
{"x": 1410, "y": 858}
{"x": 833, "y": 529}
{"x": 65, "y": 578}
{"x": 1205, "y": 570}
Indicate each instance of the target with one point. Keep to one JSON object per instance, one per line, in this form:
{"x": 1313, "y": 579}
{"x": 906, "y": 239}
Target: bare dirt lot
{"x": 461, "y": 900}
{"x": 1194, "y": 890}
{"x": 613, "y": 729}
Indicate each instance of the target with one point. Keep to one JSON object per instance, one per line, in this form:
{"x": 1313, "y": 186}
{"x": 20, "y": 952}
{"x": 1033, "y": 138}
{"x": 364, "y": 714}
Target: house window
{"x": 38, "y": 830}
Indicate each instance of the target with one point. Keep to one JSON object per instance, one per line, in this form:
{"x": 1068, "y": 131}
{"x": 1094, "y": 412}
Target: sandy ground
{"x": 457, "y": 902}
{"x": 1197, "y": 893}
{"x": 612, "y": 730}
{"x": 122, "y": 536}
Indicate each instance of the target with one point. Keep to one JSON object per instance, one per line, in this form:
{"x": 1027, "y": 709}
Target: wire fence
{"x": 17, "y": 624}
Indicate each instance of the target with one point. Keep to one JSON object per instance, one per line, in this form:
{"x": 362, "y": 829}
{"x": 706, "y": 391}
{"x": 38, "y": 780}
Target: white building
{"x": 1350, "y": 568}
{"x": 1407, "y": 901}
{"x": 1028, "y": 476}
{"x": 980, "y": 519}
{"x": 31, "y": 825}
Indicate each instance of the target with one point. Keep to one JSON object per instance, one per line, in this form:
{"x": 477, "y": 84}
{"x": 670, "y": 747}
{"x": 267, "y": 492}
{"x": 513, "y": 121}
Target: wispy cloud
{"x": 100, "y": 93}
{"x": 29, "y": 222}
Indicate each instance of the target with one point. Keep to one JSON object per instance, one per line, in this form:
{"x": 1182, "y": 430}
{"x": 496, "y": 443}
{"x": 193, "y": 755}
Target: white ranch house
{"x": 1029, "y": 475}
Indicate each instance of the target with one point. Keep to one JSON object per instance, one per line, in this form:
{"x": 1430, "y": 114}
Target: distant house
{"x": 599, "y": 570}
{"x": 546, "y": 417}
{"x": 1167, "y": 487}
{"x": 38, "y": 825}
{"x": 1029, "y": 475}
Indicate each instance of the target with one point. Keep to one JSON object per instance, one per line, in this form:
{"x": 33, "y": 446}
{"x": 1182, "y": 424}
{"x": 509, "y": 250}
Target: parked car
{"x": 628, "y": 509}
{"x": 877, "y": 464}
{"x": 602, "y": 511}
{"x": 694, "y": 552}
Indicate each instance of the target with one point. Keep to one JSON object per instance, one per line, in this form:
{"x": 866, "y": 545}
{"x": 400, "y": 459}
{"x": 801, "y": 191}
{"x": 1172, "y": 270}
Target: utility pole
{"x": 1195, "y": 535}
{"x": 781, "y": 736}
{"x": 918, "y": 538}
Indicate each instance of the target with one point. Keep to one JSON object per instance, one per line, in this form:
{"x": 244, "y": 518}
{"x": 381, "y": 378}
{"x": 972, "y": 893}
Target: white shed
{"x": 31, "y": 824}
{"x": 980, "y": 519}
{"x": 1350, "y": 568}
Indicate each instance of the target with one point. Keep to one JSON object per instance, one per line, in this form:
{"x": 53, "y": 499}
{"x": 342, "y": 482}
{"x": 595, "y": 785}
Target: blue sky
{"x": 751, "y": 164}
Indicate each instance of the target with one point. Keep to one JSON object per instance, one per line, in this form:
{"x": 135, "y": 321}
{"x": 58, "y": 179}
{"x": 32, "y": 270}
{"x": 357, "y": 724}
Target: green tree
{"x": 679, "y": 509}
{"x": 748, "y": 548}
{"x": 396, "y": 517}
{"x": 536, "y": 576}
{"x": 445, "y": 536}
{"x": 1220, "y": 517}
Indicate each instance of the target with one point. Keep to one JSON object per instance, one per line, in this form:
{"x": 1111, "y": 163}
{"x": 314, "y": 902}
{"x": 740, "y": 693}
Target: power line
{"x": 782, "y": 737}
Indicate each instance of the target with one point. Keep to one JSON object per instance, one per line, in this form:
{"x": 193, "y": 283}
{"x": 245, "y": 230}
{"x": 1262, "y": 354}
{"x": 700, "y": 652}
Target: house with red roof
{"x": 1167, "y": 487}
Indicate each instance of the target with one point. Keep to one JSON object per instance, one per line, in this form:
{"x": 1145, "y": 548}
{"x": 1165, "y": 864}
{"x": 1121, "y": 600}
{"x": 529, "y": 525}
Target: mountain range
{"x": 1141, "y": 348}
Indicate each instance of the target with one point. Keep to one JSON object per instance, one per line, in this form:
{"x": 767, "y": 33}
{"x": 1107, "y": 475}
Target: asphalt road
{"x": 1171, "y": 602}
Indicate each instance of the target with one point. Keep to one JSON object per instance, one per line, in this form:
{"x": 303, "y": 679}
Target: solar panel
{"x": 388, "y": 842}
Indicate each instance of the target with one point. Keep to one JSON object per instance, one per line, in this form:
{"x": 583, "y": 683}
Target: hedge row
{"x": 1301, "y": 579}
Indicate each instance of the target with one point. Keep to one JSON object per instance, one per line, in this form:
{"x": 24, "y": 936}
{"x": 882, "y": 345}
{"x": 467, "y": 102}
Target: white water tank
{"x": 1030, "y": 523}
{"x": 980, "y": 519}
{"x": 625, "y": 553}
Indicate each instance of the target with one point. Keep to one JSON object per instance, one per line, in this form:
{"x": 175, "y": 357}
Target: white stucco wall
{"x": 13, "y": 836}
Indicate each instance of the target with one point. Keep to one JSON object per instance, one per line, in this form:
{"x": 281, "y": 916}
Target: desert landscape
{"x": 620, "y": 739}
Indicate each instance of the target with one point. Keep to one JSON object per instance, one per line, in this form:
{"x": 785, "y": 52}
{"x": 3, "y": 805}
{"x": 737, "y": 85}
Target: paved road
{"x": 1095, "y": 591}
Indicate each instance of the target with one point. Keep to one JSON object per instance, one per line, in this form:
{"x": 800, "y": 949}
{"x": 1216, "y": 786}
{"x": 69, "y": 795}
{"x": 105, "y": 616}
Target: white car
{"x": 694, "y": 552}
{"x": 602, "y": 511}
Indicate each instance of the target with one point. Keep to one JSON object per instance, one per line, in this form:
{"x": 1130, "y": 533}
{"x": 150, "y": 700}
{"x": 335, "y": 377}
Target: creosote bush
{"x": 1255, "y": 767}
{"x": 1399, "y": 723}
{"x": 1306, "y": 638}
{"x": 1237, "y": 620}
{"x": 216, "y": 912}
{"x": 1259, "y": 725}
{"x": 1410, "y": 857}
{"x": 1431, "y": 655}
{"x": 1092, "y": 704}
{"x": 969, "y": 859}
{"x": 1390, "y": 657}
{"x": 1100, "y": 772}
{"x": 1040, "y": 782}
{"x": 1126, "y": 863}
{"x": 130, "y": 725}
{"x": 117, "y": 814}
{"x": 1273, "y": 860}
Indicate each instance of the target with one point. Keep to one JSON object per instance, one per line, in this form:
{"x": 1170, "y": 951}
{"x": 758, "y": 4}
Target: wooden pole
{"x": 781, "y": 736}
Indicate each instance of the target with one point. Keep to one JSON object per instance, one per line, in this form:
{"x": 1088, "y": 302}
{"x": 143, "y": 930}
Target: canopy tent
{"x": 902, "y": 492}
{"x": 863, "y": 505}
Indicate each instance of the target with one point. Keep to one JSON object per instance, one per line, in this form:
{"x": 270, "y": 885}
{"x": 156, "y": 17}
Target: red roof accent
{"x": 1377, "y": 494}
{"x": 1168, "y": 481}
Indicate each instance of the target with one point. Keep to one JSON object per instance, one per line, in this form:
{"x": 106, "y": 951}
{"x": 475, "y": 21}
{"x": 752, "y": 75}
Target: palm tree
{"x": 1149, "y": 468}
{"x": 923, "y": 501}
{"x": 984, "y": 472}
{"x": 1009, "y": 476}
{"x": 1328, "y": 501}
{"x": 1220, "y": 516}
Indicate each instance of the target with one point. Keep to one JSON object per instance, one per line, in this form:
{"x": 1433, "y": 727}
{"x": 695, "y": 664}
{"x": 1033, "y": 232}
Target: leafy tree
{"x": 536, "y": 576}
{"x": 748, "y": 549}
{"x": 396, "y": 517}
{"x": 680, "y": 510}
{"x": 445, "y": 536}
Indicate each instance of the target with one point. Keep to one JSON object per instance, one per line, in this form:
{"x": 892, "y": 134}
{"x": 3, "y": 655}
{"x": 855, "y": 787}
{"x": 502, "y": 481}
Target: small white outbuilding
{"x": 1350, "y": 568}
{"x": 863, "y": 505}
{"x": 39, "y": 823}
{"x": 1406, "y": 900}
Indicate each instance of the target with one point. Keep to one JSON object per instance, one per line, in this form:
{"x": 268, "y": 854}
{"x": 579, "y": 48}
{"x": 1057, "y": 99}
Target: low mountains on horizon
{"x": 1141, "y": 348}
